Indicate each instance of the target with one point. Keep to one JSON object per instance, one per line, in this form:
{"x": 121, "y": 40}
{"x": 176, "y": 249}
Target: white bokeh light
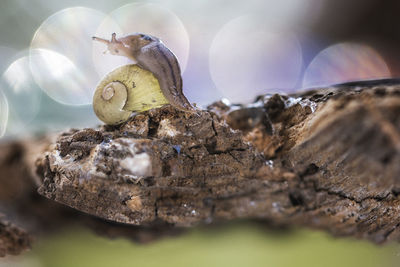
{"x": 6, "y": 55}
{"x": 103, "y": 61}
{"x": 145, "y": 18}
{"x": 3, "y": 113}
{"x": 247, "y": 60}
{"x": 59, "y": 77}
{"x": 68, "y": 34}
{"x": 22, "y": 93}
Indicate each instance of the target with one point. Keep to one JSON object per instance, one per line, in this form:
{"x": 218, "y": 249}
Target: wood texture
{"x": 327, "y": 158}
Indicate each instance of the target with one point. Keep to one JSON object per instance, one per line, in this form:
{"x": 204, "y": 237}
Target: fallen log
{"x": 326, "y": 158}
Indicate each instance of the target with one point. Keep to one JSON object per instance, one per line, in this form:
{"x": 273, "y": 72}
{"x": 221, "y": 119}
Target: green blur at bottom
{"x": 234, "y": 245}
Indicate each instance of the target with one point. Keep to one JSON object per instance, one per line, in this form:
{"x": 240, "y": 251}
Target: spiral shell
{"x": 125, "y": 90}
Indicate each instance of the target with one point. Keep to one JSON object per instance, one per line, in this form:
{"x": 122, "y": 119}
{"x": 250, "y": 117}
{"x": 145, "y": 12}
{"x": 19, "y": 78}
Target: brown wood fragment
{"x": 37, "y": 216}
{"x": 13, "y": 240}
{"x": 321, "y": 159}
{"x": 327, "y": 158}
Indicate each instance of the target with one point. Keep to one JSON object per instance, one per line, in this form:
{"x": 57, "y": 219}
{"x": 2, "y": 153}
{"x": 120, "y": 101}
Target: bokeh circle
{"x": 246, "y": 60}
{"x": 344, "y": 62}
{"x": 67, "y": 61}
{"x": 146, "y": 18}
{"x": 22, "y": 94}
{"x": 3, "y": 113}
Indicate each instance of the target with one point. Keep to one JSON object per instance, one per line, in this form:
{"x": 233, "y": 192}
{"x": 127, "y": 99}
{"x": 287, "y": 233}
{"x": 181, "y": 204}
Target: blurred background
{"x": 227, "y": 49}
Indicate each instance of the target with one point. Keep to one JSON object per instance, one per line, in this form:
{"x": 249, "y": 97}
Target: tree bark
{"x": 327, "y": 158}
{"x": 25, "y": 215}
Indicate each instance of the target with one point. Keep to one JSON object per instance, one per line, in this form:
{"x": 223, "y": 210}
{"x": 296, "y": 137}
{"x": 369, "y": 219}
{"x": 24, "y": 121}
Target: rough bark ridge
{"x": 326, "y": 158}
{"x": 24, "y": 213}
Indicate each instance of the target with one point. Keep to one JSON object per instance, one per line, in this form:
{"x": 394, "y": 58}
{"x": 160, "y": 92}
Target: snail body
{"x": 154, "y": 81}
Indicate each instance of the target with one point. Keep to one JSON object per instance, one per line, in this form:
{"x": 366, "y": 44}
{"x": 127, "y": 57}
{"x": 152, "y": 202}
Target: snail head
{"x": 115, "y": 46}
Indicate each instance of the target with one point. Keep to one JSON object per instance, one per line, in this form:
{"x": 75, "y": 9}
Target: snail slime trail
{"x": 155, "y": 79}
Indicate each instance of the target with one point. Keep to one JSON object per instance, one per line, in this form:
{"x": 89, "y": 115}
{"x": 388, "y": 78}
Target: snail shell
{"x": 125, "y": 90}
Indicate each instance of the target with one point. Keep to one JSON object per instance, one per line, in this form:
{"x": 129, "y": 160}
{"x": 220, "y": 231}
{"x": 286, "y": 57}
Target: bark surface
{"x": 327, "y": 158}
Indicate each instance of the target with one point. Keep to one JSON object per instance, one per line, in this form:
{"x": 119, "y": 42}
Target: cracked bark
{"x": 25, "y": 215}
{"x": 327, "y": 158}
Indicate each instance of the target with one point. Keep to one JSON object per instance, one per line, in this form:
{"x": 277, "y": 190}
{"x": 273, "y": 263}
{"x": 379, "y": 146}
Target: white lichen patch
{"x": 257, "y": 104}
{"x": 61, "y": 166}
{"x": 307, "y": 103}
{"x": 56, "y": 160}
{"x": 67, "y": 168}
{"x": 291, "y": 101}
{"x": 166, "y": 129}
{"x": 90, "y": 166}
{"x": 122, "y": 144}
{"x": 226, "y": 101}
{"x": 269, "y": 163}
{"x": 123, "y": 158}
{"x": 138, "y": 166}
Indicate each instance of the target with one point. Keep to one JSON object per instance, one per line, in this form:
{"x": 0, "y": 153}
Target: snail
{"x": 152, "y": 81}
